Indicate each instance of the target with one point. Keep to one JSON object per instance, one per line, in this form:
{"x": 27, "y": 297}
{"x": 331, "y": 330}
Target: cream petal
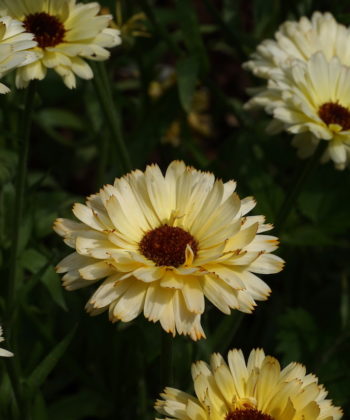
{"x": 149, "y": 274}
{"x": 5, "y": 353}
{"x": 121, "y": 221}
{"x": 87, "y": 216}
{"x": 109, "y": 291}
{"x": 130, "y": 304}
{"x": 267, "y": 264}
{"x": 73, "y": 262}
{"x": 171, "y": 280}
{"x": 193, "y": 295}
{"x": 96, "y": 271}
{"x": 185, "y": 321}
{"x": 220, "y": 295}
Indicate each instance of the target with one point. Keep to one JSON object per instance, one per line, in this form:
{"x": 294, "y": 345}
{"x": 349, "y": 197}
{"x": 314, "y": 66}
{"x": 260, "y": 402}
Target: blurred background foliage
{"x": 178, "y": 83}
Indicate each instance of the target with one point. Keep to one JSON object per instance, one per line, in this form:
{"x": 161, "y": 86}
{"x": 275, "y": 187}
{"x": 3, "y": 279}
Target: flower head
{"x": 312, "y": 100}
{"x": 256, "y": 390}
{"x": 66, "y": 33}
{"x": 301, "y": 40}
{"x": 163, "y": 243}
{"x": 3, "y": 352}
{"x": 14, "y": 46}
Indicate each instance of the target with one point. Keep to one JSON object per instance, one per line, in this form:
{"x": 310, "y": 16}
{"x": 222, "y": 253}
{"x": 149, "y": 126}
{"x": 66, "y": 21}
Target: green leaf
{"x": 37, "y": 263}
{"x": 187, "y": 73}
{"x": 57, "y": 118}
{"x": 297, "y": 335}
{"x": 32, "y": 260}
{"x": 53, "y": 284}
{"x": 46, "y": 366}
{"x": 8, "y": 165}
{"x": 39, "y": 411}
{"x": 191, "y": 32}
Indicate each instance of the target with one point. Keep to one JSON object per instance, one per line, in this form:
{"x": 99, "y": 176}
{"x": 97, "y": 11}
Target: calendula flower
{"x": 66, "y": 33}
{"x": 301, "y": 40}
{"x": 163, "y": 243}
{"x": 256, "y": 390}
{"x": 14, "y": 46}
{"x": 3, "y": 352}
{"x": 312, "y": 100}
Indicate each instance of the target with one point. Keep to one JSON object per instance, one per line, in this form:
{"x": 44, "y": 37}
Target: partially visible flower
{"x": 3, "y": 352}
{"x": 256, "y": 390}
{"x": 312, "y": 100}
{"x": 164, "y": 243}
{"x": 301, "y": 40}
{"x": 67, "y": 33}
{"x": 14, "y": 46}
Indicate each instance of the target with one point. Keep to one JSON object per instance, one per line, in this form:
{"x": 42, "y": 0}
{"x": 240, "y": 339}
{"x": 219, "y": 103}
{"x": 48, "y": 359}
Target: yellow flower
{"x": 14, "y": 46}
{"x": 3, "y": 352}
{"x": 301, "y": 40}
{"x": 256, "y": 390}
{"x": 312, "y": 100}
{"x": 163, "y": 243}
{"x": 66, "y": 32}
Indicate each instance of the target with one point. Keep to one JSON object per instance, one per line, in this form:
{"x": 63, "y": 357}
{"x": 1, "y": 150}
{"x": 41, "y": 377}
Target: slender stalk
{"x": 13, "y": 285}
{"x": 11, "y": 371}
{"x": 111, "y": 111}
{"x": 297, "y": 186}
{"x": 23, "y": 150}
{"x": 166, "y": 360}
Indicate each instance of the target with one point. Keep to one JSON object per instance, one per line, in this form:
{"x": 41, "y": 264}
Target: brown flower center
{"x": 166, "y": 245}
{"x": 247, "y": 414}
{"x": 48, "y": 30}
{"x": 333, "y": 113}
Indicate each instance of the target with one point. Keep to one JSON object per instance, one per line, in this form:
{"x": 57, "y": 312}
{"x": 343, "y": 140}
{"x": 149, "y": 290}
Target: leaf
{"x": 187, "y": 73}
{"x": 39, "y": 411}
{"x": 297, "y": 335}
{"x": 8, "y": 165}
{"x": 38, "y": 264}
{"x": 56, "y": 118}
{"x": 53, "y": 284}
{"x": 46, "y": 366}
{"x": 191, "y": 32}
{"x": 32, "y": 260}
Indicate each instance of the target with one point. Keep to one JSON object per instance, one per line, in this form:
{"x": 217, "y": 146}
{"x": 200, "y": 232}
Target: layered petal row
{"x": 162, "y": 243}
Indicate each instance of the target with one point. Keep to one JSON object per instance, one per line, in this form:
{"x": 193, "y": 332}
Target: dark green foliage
{"x": 74, "y": 367}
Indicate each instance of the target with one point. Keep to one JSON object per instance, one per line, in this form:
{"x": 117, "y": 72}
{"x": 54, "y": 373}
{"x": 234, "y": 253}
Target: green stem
{"x": 112, "y": 113}
{"x": 23, "y": 150}
{"x": 13, "y": 286}
{"x": 297, "y": 186}
{"x": 16, "y": 388}
{"x": 166, "y": 360}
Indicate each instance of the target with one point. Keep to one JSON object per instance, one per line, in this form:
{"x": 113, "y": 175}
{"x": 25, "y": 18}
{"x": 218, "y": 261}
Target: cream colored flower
{"x": 66, "y": 32}
{"x": 312, "y": 100}
{"x": 256, "y": 390}
{"x": 14, "y": 46}
{"x": 163, "y": 243}
{"x": 301, "y": 40}
{"x": 3, "y": 352}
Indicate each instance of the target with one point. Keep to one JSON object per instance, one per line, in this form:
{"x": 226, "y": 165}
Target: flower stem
{"x": 20, "y": 188}
{"x": 23, "y": 150}
{"x": 166, "y": 360}
{"x": 297, "y": 186}
{"x": 112, "y": 113}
